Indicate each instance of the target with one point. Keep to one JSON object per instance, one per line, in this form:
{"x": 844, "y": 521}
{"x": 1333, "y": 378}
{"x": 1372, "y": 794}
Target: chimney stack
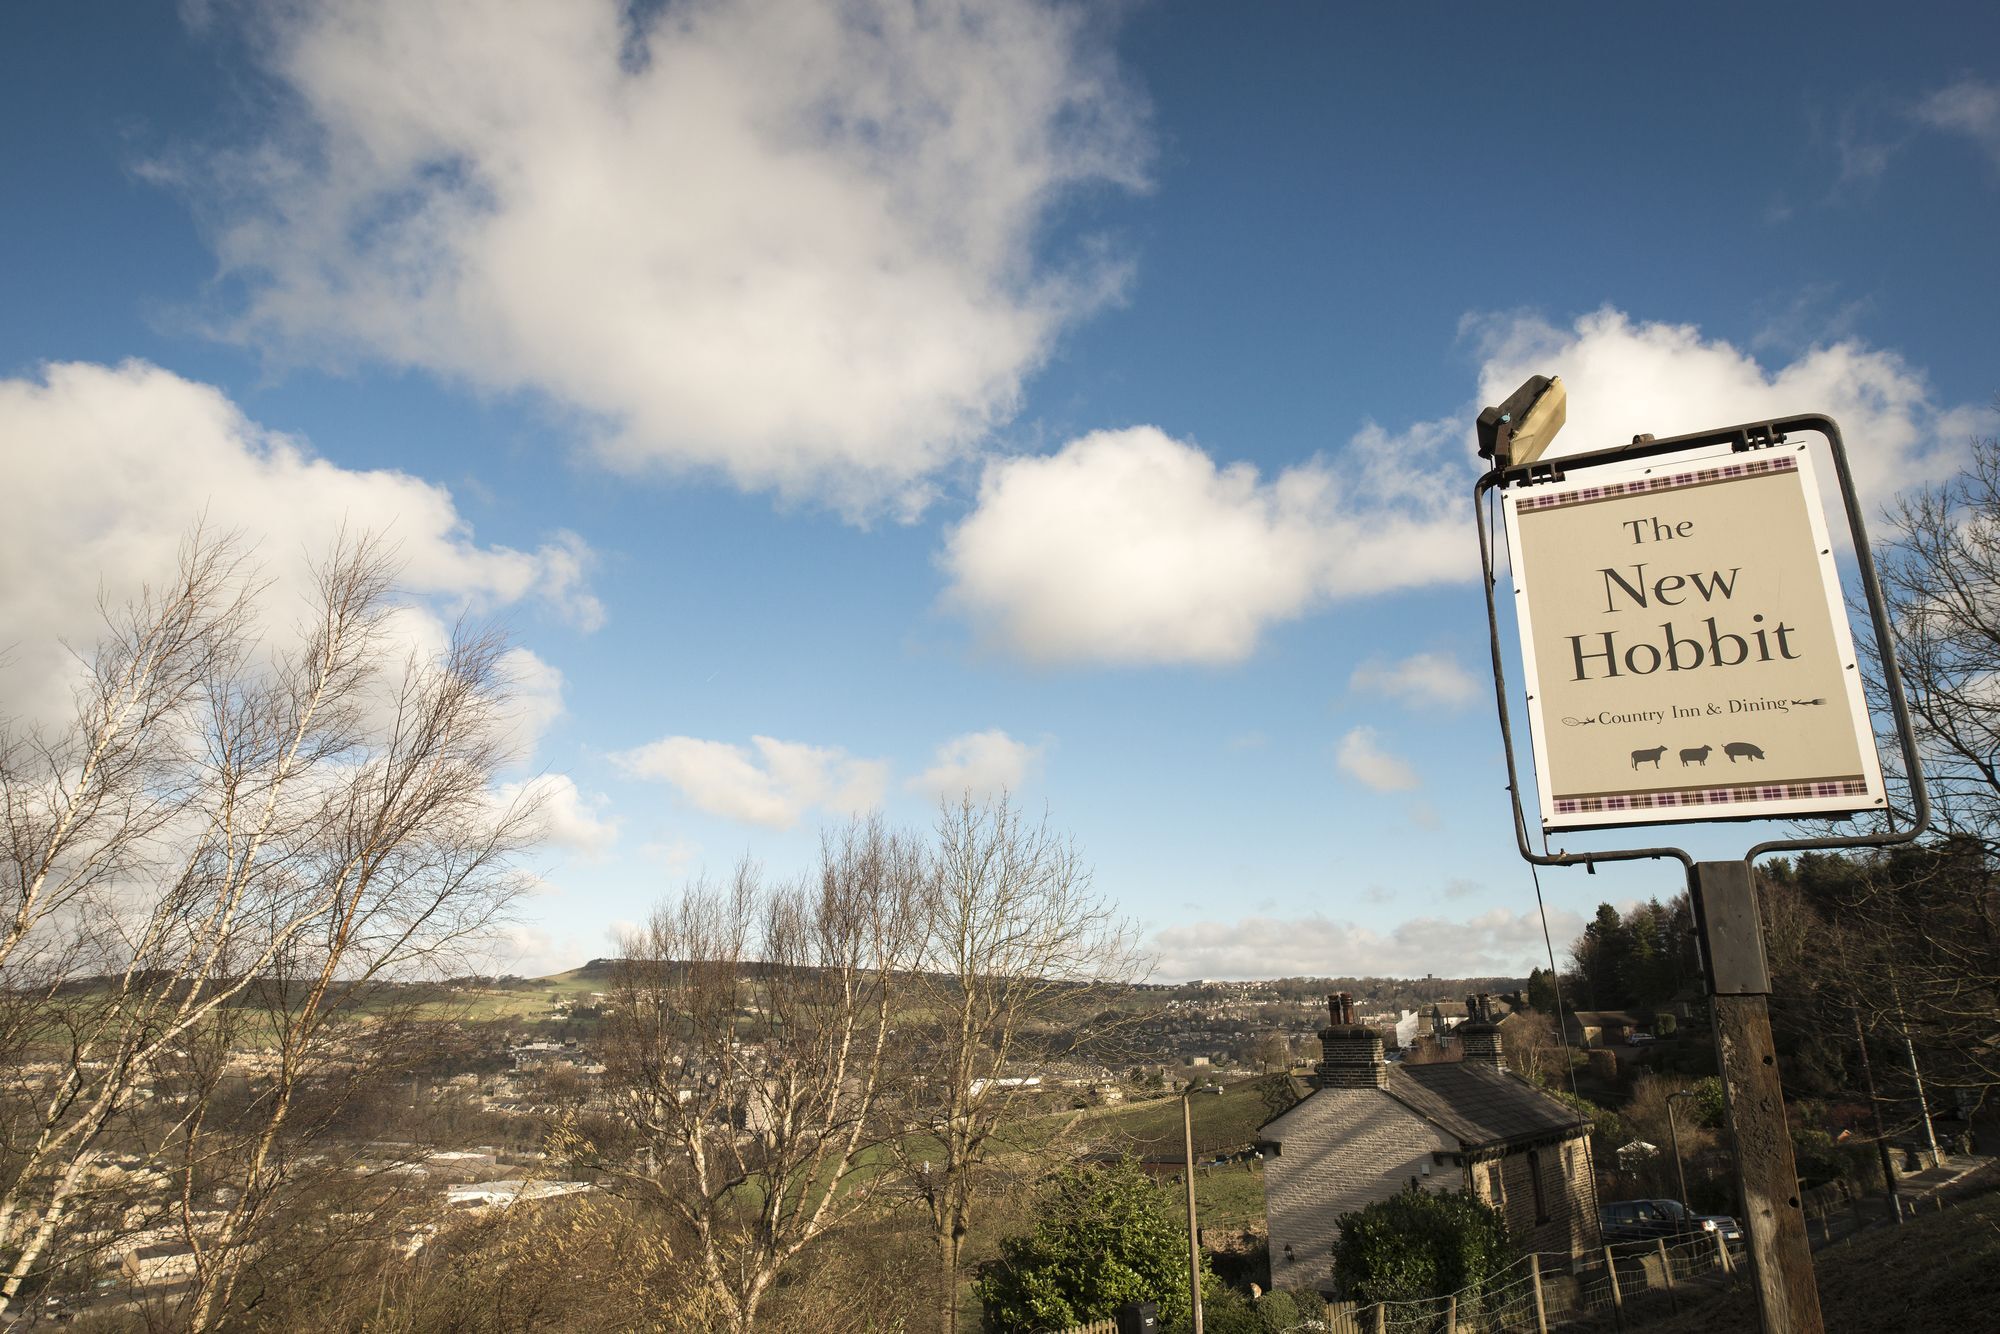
{"x": 1350, "y": 1053}
{"x": 1478, "y": 1036}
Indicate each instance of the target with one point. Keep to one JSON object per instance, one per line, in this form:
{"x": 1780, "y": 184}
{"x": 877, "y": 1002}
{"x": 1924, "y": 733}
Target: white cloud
{"x": 1362, "y": 758}
{"x": 122, "y": 461}
{"x": 532, "y": 951}
{"x": 1421, "y": 678}
{"x": 676, "y": 856}
{"x": 570, "y": 820}
{"x": 791, "y": 243}
{"x": 537, "y": 689}
{"x": 982, "y": 763}
{"x": 1131, "y": 546}
{"x": 775, "y": 786}
{"x": 1626, "y": 377}
{"x": 1970, "y": 107}
{"x": 1497, "y": 943}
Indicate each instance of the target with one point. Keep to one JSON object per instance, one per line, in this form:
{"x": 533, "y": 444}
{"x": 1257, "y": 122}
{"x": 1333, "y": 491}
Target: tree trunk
{"x": 950, "y": 1246}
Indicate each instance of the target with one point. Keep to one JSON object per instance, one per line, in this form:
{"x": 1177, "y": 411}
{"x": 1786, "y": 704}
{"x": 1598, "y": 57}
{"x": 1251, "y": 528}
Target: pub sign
{"x": 1685, "y": 643}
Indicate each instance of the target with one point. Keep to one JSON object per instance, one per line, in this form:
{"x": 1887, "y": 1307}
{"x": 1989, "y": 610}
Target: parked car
{"x": 1638, "y": 1039}
{"x": 1643, "y": 1220}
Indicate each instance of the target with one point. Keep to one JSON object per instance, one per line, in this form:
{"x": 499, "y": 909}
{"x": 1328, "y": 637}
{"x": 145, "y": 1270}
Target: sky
{"x": 849, "y": 405}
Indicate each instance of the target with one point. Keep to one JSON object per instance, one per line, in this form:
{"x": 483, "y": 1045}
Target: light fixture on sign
{"x": 1518, "y": 432}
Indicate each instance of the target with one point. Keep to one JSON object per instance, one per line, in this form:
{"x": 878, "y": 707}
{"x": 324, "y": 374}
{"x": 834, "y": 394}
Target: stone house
{"x": 1369, "y": 1128}
{"x": 1605, "y": 1028}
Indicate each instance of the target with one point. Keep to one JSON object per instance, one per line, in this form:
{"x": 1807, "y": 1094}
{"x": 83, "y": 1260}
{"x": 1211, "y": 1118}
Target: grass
{"x": 1230, "y": 1198}
{"x": 1941, "y": 1271}
{"x": 1152, "y": 1129}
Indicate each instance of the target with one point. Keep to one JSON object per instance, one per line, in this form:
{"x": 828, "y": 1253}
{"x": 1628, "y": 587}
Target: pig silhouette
{"x": 1742, "y": 749}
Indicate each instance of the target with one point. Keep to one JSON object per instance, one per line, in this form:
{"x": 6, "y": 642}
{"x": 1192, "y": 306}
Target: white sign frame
{"x": 1778, "y": 796}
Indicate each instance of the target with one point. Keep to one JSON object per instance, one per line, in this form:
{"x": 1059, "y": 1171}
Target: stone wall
{"x": 1341, "y": 1149}
{"x": 1566, "y": 1221}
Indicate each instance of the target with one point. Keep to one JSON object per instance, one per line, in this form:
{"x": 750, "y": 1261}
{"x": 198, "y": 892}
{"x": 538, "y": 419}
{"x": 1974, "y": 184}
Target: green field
{"x": 1223, "y": 1123}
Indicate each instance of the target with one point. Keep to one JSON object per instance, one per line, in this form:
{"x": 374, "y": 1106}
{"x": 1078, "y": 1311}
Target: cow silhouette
{"x": 1643, "y": 756}
{"x": 1695, "y": 756}
{"x": 1743, "y": 749}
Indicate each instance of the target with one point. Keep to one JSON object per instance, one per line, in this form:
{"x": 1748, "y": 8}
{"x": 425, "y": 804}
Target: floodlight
{"x": 1517, "y": 432}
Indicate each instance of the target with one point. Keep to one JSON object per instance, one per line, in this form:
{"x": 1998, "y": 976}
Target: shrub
{"x": 1104, "y": 1236}
{"x": 1281, "y": 1311}
{"x": 1818, "y": 1159}
{"x": 1228, "y": 1312}
{"x": 1607, "y": 1128}
{"x": 1708, "y": 1104}
{"x": 1417, "y": 1244}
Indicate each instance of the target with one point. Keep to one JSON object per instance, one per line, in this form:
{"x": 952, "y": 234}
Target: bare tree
{"x": 749, "y": 1042}
{"x": 1533, "y": 1048}
{"x": 1271, "y": 1050}
{"x": 1923, "y": 960}
{"x": 1940, "y": 575}
{"x": 1017, "y": 948}
{"x": 223, "y": 823}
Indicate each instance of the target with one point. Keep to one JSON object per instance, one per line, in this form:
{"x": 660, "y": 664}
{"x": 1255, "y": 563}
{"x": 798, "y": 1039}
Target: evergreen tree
{"x": 1600, "y": 958}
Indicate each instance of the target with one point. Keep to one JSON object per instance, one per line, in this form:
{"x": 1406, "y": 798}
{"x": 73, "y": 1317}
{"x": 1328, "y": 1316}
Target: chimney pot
{"x": 1479, "y": 1036}
{"x": 1350, "y": 1053}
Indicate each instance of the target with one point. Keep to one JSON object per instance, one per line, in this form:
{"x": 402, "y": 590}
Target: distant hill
{"x": 597, "y": 970}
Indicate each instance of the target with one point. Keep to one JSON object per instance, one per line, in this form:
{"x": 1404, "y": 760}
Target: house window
{"x": 1535, "y": 1179}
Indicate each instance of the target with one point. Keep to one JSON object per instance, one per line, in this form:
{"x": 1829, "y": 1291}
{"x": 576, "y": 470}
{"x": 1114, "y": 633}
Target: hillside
{"x": 1940, "y": 1271}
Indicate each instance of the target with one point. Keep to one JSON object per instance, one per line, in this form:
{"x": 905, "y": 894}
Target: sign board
{"x": 1686, "y": 644}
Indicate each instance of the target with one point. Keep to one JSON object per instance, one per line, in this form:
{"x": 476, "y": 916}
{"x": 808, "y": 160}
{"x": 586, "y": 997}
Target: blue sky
{"x": 844, "y": 404}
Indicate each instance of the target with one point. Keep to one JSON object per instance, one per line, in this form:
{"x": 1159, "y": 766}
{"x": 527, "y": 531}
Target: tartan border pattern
{"x": 1711, "y": 796}
{"x": 1643, "y": 486}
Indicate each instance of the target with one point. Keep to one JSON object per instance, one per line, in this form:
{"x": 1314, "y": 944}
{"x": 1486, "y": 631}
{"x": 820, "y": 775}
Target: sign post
{"x": 1688, "y": 658}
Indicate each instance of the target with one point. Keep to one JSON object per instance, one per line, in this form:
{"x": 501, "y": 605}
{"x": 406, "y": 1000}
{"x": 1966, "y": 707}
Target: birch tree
{"x": 221, "y": 821}
{"x": 749, "y": 1046}
{"x": 1017, "y": 950}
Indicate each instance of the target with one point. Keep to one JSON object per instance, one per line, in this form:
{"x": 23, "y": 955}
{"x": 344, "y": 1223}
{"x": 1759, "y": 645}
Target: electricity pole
{"x": 1194, "y": 1232}
{"x": 1739, "y": 980}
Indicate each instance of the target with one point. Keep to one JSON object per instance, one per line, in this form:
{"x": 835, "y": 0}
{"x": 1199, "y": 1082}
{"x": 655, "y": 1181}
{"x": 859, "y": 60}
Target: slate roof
{"x": 1479, "y": 1106}
{"x": 1625, "y": 1018}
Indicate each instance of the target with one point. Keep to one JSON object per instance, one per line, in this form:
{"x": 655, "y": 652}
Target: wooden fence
{"x": 1541, "y": 1293}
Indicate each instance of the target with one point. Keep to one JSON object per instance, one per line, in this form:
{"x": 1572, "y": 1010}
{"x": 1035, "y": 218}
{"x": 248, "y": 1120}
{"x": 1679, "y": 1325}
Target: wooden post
{"x": 1451, "y": 1314}
{"x": 1739, "y": 981}
{"x": 1667, "y": 1274}
{"x": 1722, "y": 1250}
{"x": 1381, "y": 1318}
{"x": 1617, "y": 1293}
{"x": 1541, "y": 1310}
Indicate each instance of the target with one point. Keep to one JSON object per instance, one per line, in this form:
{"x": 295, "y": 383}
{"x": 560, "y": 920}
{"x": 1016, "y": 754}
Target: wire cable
{"x": 1498, "y": 534}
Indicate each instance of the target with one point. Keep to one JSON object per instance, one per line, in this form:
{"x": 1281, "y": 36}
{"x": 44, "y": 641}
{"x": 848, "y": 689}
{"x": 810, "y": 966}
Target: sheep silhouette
{"x": 1643, "y": 756}
{"x": 1742, "y": 749}
{"x": 1696, "y": 756}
